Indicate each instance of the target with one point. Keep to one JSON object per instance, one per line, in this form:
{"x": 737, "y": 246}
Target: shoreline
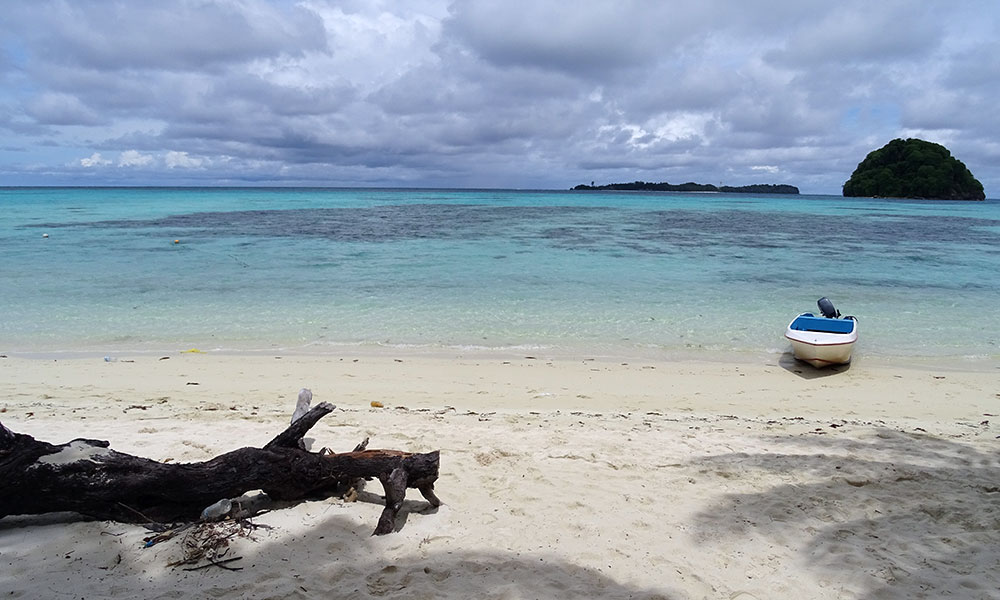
{"x": 773, "y": 386}
{"x": 953, "y": 362}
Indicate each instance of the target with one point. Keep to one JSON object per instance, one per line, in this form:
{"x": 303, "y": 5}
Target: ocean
{"x": 113, "y": 271}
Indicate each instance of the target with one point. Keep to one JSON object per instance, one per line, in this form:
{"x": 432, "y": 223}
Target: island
{"x": 643, "y": 186}
{"x": 913, "y": 168}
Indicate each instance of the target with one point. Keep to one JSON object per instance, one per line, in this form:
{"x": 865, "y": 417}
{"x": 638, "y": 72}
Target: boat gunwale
{"x": 824, "y": 344}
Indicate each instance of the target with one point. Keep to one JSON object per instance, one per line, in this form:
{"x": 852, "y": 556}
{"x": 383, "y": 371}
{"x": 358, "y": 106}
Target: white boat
{"x": 824, "y": 340}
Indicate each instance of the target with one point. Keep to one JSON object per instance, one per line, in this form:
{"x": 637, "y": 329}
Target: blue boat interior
{"x": 808, "y": 322}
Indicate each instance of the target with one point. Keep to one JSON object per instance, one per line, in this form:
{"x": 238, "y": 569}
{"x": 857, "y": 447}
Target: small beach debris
{"x": 218, "y": 563}
{"x": 209, "y": 541}
{"x": 162, "y": 534}
{"x": 192, "y": 383}
{"x": 215, "y": 512}
{"x": 377, "y": 404}
{"x": 164, "y": 358}
{"x": 192, "y": 351}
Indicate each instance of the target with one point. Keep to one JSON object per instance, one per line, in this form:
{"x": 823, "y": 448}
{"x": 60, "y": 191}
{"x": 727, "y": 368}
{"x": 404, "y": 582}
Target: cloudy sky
{"x": 470, "y": 93}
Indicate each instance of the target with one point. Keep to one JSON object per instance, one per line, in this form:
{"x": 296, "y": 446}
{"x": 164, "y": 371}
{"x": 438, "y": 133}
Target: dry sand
{"x": 560, "y": 478}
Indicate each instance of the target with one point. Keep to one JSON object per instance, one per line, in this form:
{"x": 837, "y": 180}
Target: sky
{"x": 503, "y": 94}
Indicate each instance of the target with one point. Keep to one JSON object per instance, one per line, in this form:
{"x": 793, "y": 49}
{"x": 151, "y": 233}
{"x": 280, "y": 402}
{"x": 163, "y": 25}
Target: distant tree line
{"x": 643, "y": 186}
{"x": 913, "y": 168}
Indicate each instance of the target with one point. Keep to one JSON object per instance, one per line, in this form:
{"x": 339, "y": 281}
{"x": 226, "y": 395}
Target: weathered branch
{"x": 290, "y": 437}
{"x": 88, "y": 477}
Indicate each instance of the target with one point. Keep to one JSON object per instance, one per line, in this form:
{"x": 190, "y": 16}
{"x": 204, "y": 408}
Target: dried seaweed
{"x": 210, "y": 541}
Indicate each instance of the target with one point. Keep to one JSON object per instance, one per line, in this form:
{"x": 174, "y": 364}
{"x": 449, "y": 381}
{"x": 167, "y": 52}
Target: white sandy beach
{"x": 560, "y": 478}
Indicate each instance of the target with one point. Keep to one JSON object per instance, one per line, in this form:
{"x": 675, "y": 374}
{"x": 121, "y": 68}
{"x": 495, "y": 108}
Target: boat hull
{"x": 823, "y": 348}
{"x": 821, "y": 356}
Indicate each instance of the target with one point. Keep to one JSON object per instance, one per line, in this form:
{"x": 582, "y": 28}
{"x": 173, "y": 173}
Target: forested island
{"x": 913, "y": 168}
{"x": 644, "y": 186}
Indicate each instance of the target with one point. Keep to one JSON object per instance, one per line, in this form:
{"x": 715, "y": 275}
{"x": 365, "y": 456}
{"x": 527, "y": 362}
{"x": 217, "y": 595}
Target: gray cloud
{"x": 520, "y": 94}
{"x": 585, "y": 39}
{"x": 62, "y": 109}
{"x": 882, "y": 32}
{"x": 110, "y": 35}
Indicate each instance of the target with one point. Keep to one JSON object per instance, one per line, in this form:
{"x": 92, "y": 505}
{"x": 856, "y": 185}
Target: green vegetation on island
{"x": 643, "y": 186}
{"x": 913, "y": 168}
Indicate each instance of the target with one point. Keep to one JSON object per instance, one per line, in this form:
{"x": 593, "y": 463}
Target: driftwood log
{"x": 89, "y": 478}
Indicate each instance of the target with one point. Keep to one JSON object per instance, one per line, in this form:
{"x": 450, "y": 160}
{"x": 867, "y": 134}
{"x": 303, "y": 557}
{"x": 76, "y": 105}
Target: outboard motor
{"x": 826, "y": 307}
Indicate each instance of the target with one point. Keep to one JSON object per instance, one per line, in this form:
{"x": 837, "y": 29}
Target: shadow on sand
{"x": 788, "y": 362}
{"x": 890, "y": 515}
{"x": 336, "y": 557}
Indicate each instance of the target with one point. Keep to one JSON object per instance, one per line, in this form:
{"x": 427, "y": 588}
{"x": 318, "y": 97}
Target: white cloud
{"x": 133, "y": 158}
{"x": 95, "y": 160}
{"x": 765, "y": 168}
{"x": 181, "y": 160}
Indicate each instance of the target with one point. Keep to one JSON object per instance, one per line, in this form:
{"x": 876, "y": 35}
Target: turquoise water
{"x": 318, "y": 270}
